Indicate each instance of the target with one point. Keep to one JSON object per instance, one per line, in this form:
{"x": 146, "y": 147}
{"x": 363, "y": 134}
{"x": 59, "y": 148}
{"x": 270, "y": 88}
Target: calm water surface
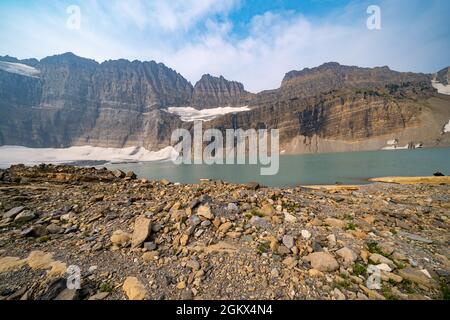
{"x": 346, "y": 168}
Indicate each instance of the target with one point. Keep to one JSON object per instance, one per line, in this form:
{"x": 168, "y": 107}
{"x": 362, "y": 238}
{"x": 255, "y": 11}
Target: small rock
{"x": 205, "y": 212}
{"x": 184, "y": 240}
{"x": 134, "y": 289}
{"x": 225, "y": 227}
{"x": 322, "y": 261}
{"x": 119, "y": 174}
{"x": 24, "y": 216}
{"x": 348, "y": 255}
{"x": 378, "y": 258}
{"x": 54, "y": 229}
{"x": 289, "y": 218}
{"x": 306, "y": 234}
{"x": 150, "y": 256}
{"x": 150, "y": 246}
{"x": 120, "y": 238}
{"x": 267, "y": 210}
{"x": 288, "y": 241}
{"x": 386, "y": 248}
{"x": 290, "y": 262}
{"x": 233, "y": 208}
{"x": 335, "y": 223}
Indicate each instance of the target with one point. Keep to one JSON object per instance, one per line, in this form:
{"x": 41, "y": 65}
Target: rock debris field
{"x": 70, "y": 233}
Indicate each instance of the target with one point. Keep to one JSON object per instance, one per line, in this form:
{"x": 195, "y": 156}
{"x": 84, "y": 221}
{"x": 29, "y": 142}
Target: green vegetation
{"x": 387, "y": 293}
{"x": 263, "y": 248}
{"x": 350, "y": 226}
{"x": 106, "y": 287}
{"x": 359, "y": 269}
{"x": 444, "y": 289}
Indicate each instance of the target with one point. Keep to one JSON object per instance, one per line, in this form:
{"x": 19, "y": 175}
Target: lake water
{"x": 331, "y": 168}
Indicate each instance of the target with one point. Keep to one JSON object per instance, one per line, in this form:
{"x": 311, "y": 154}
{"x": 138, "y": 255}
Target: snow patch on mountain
{"x": 10, "y": 155}
{"x": 189, "y": 114}
{"x": 19, "y": 68}
{"x": 447, "y": 127}
{"x": 441, "y": 88}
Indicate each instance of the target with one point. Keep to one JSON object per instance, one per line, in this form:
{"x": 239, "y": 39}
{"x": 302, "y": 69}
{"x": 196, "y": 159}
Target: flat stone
{"x": 68, "y": 295}
{"x": 13, "y": 212}
{"x": 24, "y": 216}
{"x": 142, "y": 230}
{"x": 378, "y": 258}
{"x": 417, "y": 276}
{"x": 414, "y": 237}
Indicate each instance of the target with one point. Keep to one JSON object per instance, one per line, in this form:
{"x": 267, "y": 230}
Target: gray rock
{"x": 55, "y": 229}
{"x": 195, "y": 220}
{"x": 35, "y": 231}
{"x": 414, "y": 237}
{"x": 150, "y": 246}
{"x": 232, "y": 207}
{"x": 13, "y": 212}
{"x": 288, "y": 241}
{"x": 24, "y": 216}
{"x": 258, "y": 222}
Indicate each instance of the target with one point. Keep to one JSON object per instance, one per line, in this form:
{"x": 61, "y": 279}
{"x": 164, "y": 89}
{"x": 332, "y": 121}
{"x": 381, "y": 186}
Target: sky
{"x": 252, "y": 41}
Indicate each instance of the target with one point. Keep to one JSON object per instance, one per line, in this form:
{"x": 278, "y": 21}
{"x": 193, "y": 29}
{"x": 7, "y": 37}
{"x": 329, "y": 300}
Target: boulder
{"x": 142, "y": 230}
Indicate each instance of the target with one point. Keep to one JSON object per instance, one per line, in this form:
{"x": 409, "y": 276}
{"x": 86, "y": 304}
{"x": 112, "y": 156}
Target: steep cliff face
{"x": 443, "y": 76}
{"x": 76, "y": 100}
{"x": 66, "y": 100}
{"x": 213, "y": 92}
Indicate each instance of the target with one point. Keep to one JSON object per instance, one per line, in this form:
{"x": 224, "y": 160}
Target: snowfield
{"x": 19, "y": 68}
{"x": 447, "y": 127}
{"x": 10, "y": 155}
{"x": 189, "y": 114}
{"x": 441, "y": 88}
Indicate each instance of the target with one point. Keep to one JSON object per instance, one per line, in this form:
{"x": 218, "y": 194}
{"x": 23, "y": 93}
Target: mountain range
{"x": 65, "y": 100}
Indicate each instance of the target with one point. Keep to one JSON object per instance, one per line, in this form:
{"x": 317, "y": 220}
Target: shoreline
{"x": 139, "y": 239}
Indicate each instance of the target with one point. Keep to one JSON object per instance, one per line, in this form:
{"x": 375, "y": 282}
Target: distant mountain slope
{"x": 65, "y": 100}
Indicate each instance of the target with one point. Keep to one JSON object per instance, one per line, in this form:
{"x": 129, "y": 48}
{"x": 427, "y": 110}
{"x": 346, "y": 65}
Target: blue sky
{"x": 252, "y": 41}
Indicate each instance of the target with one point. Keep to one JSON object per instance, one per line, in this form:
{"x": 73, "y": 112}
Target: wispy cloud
{"x": 199, "y": 36}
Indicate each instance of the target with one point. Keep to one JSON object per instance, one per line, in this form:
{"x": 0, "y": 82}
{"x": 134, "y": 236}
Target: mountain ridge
{"x": 118, "y": 103}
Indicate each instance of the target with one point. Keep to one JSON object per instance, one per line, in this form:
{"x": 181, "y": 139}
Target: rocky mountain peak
{"x": 211, "y": 92}
{"x": 443, "y": 76}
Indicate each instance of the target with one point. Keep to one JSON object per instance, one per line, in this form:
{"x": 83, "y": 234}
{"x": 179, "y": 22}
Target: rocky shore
{"x": 129, "y": 238}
